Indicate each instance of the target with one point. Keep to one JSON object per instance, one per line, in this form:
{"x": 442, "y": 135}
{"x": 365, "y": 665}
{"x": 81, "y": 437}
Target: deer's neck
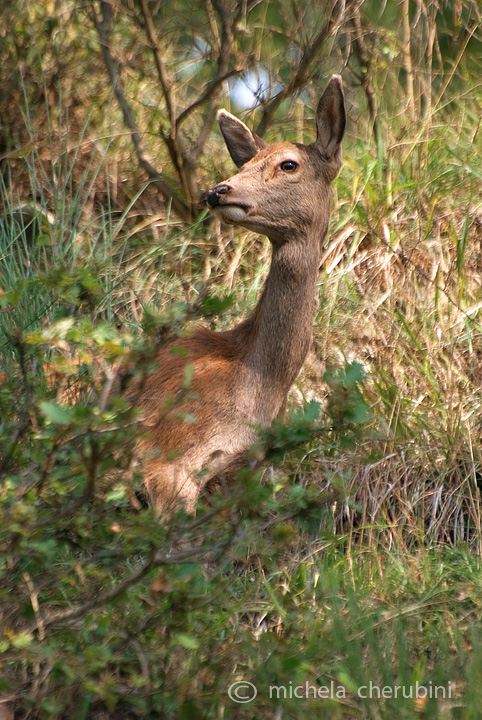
{"x": 278, "y": 334}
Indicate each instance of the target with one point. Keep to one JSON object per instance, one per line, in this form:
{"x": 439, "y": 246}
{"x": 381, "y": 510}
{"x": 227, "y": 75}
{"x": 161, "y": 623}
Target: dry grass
{"x": 402, "y": 297}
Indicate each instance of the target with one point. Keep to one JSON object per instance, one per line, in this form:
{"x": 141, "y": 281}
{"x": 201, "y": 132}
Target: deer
{"x": 202, "y": 406}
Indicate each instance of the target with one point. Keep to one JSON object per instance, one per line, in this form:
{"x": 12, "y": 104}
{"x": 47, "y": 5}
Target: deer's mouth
{"x": 232, "y": 212}
{"x": 222, "y": 205}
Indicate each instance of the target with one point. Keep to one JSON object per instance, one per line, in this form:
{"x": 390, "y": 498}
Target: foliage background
{"x": 354, "y": 557}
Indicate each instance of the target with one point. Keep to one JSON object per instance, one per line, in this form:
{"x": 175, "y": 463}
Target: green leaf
{"x": 187, "y": 641}
{"x": 188, "y": 374}
{"x": 22, "y": 640}
{"x": 215, "y": 305}
{"x": 353, "y": 374}
{"x": 44, "y": 240}
{"x": 56, "y": 413}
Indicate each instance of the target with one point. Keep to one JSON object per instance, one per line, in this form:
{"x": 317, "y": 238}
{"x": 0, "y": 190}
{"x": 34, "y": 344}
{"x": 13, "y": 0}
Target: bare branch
{"x": 211, "y": 89}
{"x": 160, "y": 558}
{"x": 407, "y": 58}
{"x": 103, "y": 28}
{"x": 212, "y": 93}
{"x": 300, "y": 77}
{"x": 177, "y": 149}
{"x": 106, "y": 597}
{"x": 161, "y": 71}
{"x": 366, "y": 62}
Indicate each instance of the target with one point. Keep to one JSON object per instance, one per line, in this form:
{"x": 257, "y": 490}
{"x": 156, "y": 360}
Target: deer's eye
{"x": 289, "y": 166}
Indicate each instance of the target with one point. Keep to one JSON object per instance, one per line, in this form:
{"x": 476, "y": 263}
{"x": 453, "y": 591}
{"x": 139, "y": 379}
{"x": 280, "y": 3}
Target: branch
{"x": 103, "y": 28}
{"x": 158, "y": 558}
{"x": 99, "y": 600}
{"x": 161, "y": 72}
{"x": 207, "y": 94}
{"x": 366, "y": 62}
{"x": 212, "y": 92}
{"x": 175, "y": 145}
{"x": 300, "y": 77}
{"x": 407, "y": 58}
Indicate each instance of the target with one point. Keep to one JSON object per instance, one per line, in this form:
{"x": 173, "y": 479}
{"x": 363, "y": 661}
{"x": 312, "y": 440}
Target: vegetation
{"x": 347, "y": 565}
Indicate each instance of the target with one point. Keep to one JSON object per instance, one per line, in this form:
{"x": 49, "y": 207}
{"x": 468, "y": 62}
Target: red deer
{"x": 239, "y": 379}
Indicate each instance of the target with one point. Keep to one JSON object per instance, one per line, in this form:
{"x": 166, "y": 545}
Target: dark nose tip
{"x": 213, "y": 198}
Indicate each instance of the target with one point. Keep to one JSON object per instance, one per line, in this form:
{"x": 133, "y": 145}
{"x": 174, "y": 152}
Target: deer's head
{"x": 282, "y": 189}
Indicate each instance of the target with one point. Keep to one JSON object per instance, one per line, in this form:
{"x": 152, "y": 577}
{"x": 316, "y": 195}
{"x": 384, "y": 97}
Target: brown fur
{"x": 240, "y": 378}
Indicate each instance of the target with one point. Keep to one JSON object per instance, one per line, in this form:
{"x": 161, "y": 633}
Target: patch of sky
{"x": 247, "y": 91}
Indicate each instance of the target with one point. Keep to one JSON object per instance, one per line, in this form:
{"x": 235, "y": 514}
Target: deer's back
{"x": 194, "y": 396}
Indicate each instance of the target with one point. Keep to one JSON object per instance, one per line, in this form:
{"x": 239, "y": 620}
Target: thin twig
{"x": 407, "y": 57}
{"x": 367, "y": 84}
{"x": 157, "y": 558}
{"x": 211, "y": 95}
{"x": 300, "y": 76}
{"x": 176, "y": 147}
{"x": 161, "y": 71}
{"x": 33, "y": 594}
{"x": 103, "y": 28}
{"x": 207, "y": 94}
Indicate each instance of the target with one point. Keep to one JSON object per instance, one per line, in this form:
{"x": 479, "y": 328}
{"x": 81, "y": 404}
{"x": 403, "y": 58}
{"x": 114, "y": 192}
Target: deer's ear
{"x": 241, "y": 142}
{"x": 330, "y": 123}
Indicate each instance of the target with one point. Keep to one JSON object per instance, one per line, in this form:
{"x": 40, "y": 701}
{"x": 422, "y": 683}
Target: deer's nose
{"x": 214, "y": 195}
